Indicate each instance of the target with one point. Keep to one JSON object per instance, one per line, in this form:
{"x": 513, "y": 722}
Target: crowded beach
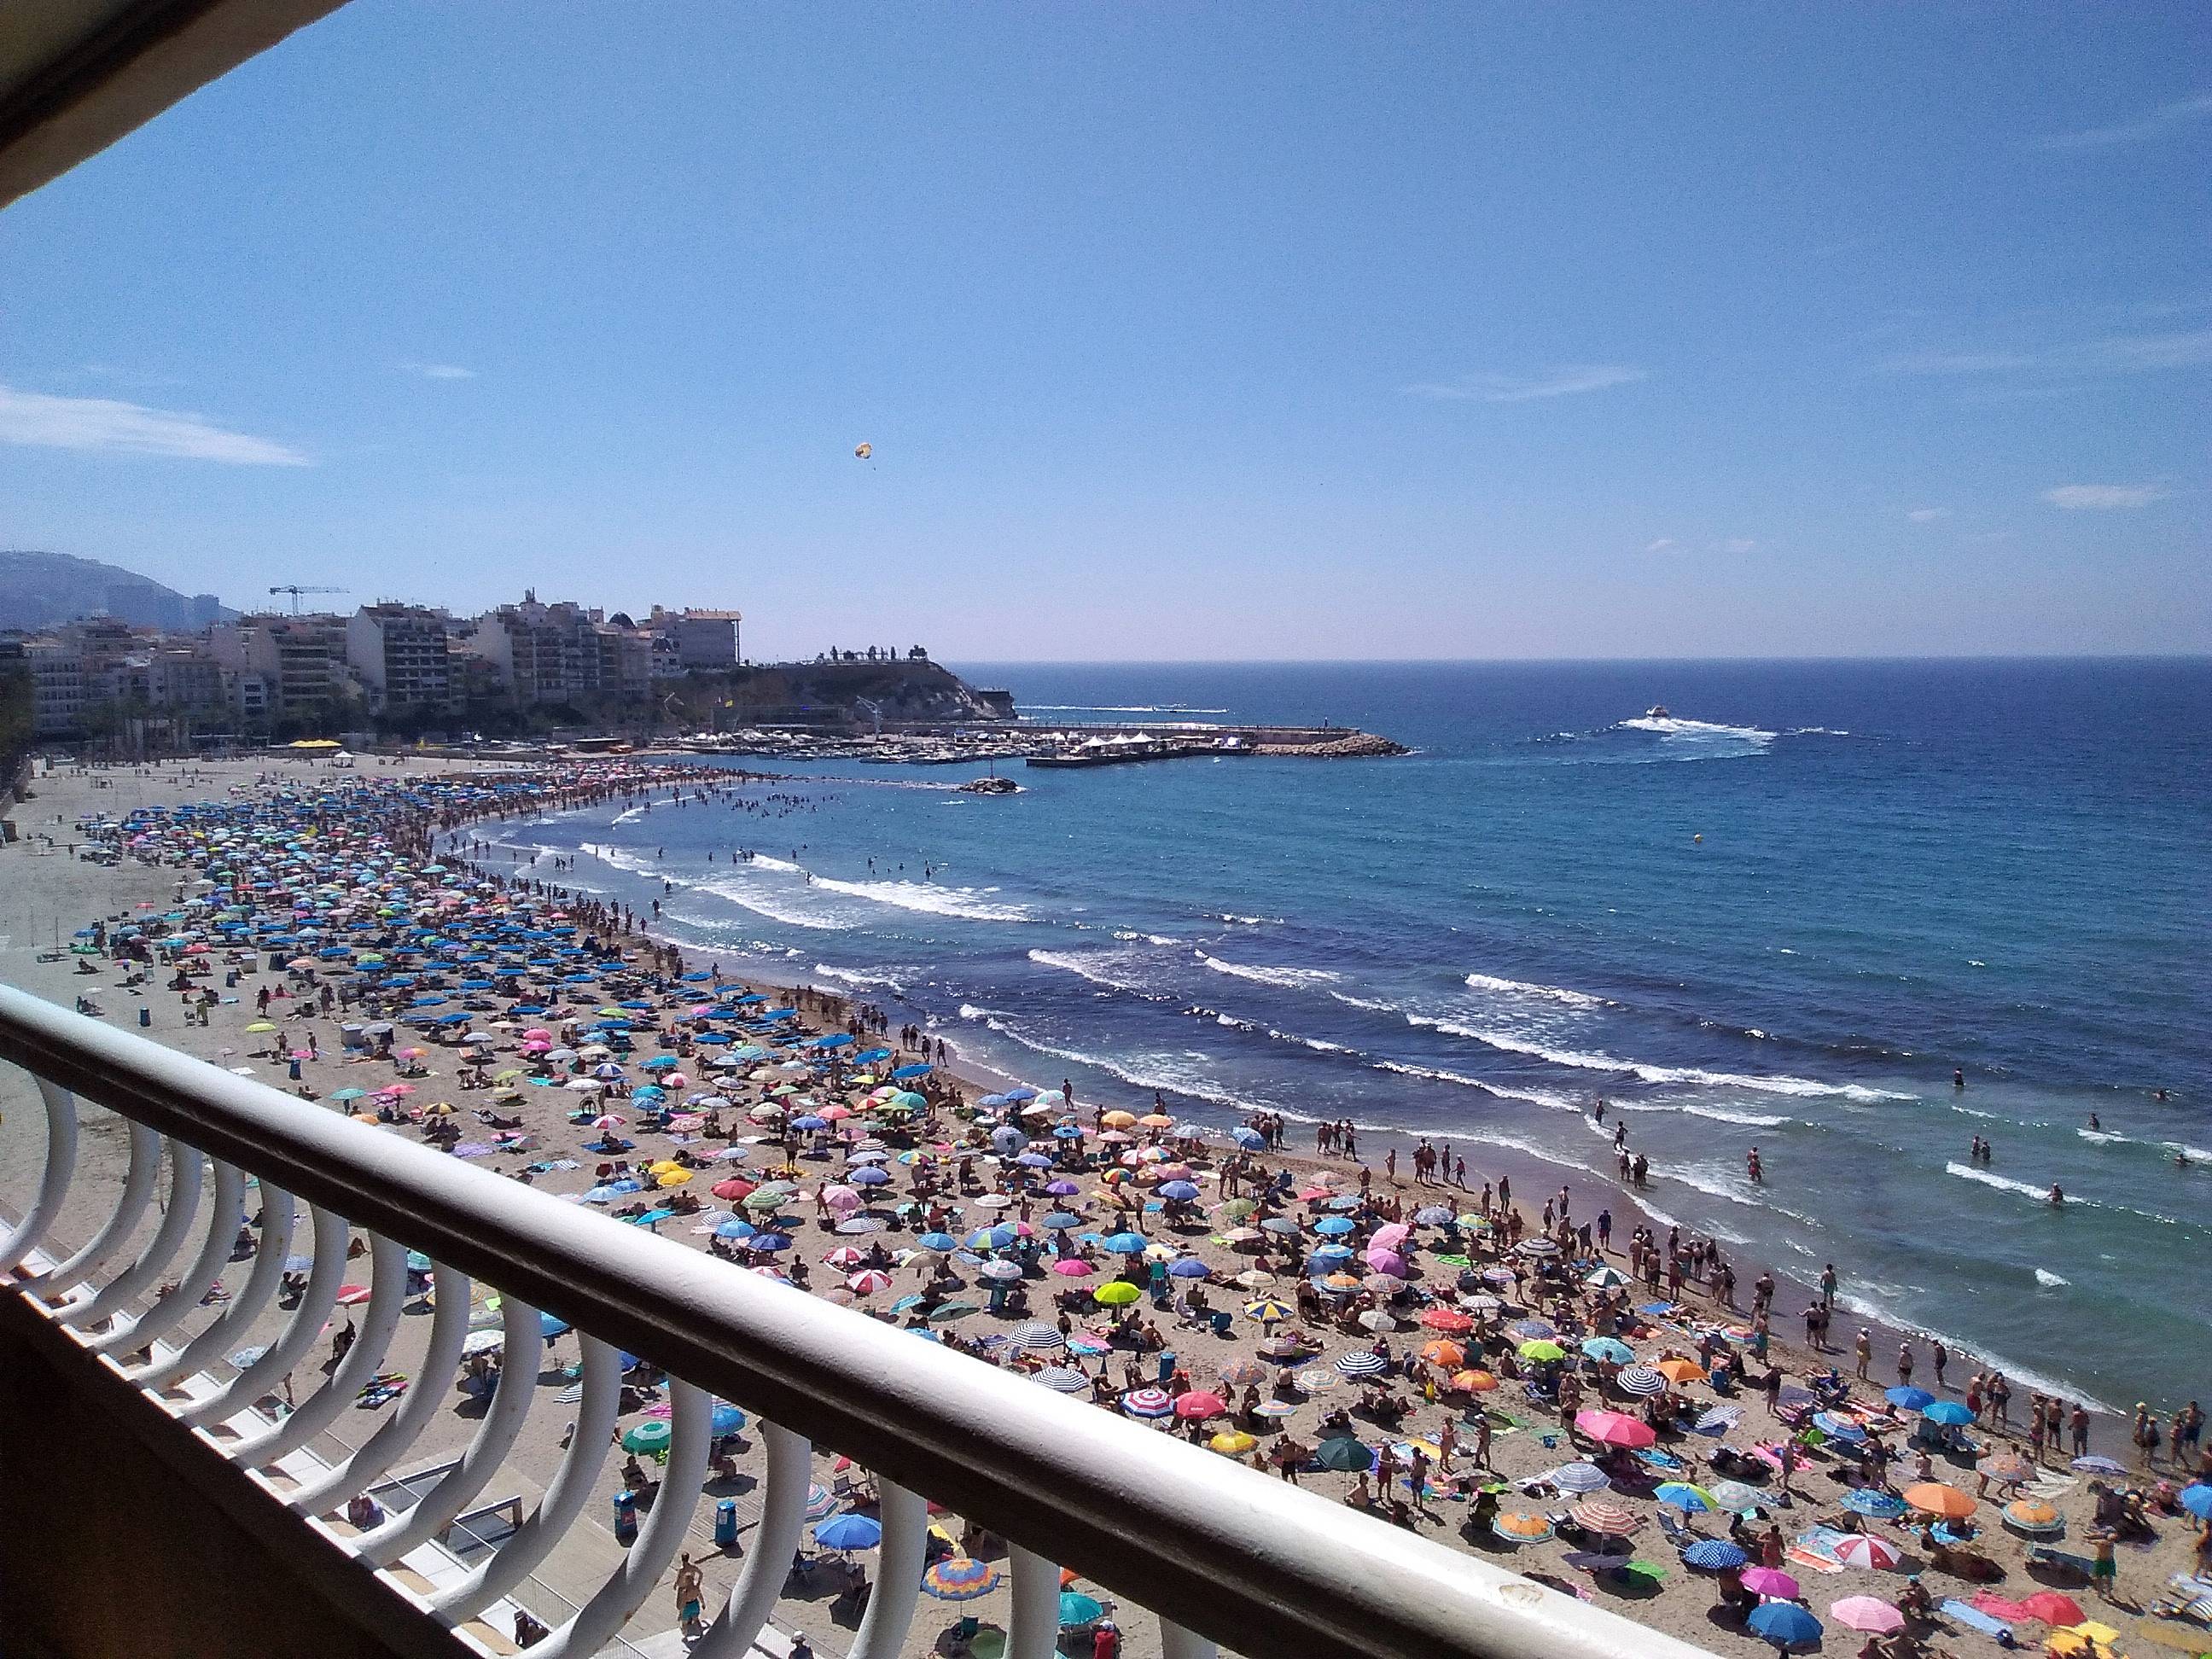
{"x": 1576, "y": 1393}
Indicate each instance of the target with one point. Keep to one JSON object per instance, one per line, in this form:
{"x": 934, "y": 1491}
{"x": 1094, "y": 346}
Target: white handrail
{"x": 1216, "y": 1547}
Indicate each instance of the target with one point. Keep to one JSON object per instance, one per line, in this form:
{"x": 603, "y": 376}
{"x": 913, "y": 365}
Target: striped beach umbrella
{"x": 1362, "y": 1362}
{"x": 1875, "y": 1506}
{"x": 1267, "y": 1310}
{"x": 1683, "y": 1495}
{"x": 1641, "y": 1381}
{"x": 1603, "y": 1514}
{"x": 960, "y": 1578}
{"x": 1148, "y": 1402}
{"x": 1580, "y": 1478}
{"x": 2034, "y": 1516}
{"x": 1863, "y": 1550}
{"x": 1063, "y": 1379}
{"x": 1734, "y": 1497}
{"x": 1037, "y": 1339}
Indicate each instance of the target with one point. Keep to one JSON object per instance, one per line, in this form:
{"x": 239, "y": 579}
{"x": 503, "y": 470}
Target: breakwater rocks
{"x": 1352, "y": 746}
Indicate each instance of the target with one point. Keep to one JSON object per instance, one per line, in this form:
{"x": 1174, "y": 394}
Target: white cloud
{"x": 438, "y": 371}
{"x": 1659, "y": 546}
{"x": 2162, "y": 120}
{"x": 109, "y": 426}
{"x": 1558, "y": 382}
{"x": 1735, "y": 544}
{"x": 2116, "y": 353}
{"x": 1928, "y": 515}
{"x": 2076, "y": 497}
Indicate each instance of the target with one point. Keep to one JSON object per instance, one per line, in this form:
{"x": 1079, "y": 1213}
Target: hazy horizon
{"x": 1234, "y": 334}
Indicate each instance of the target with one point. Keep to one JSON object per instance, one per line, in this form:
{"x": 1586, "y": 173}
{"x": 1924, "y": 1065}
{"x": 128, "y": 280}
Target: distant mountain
{"x": 40, "y": 590}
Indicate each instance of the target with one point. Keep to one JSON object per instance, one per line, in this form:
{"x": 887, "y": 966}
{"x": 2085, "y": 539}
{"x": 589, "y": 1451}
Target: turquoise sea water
{"x": 2005, "y": 867}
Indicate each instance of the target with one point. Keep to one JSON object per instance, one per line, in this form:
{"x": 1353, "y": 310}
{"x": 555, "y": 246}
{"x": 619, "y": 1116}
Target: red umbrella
{"x": 352, "y": 1295}
{"x": 1449, "y": 1320}
{"x": 1199, "y": 1402}
{"x": 1865, "y": 1551}
{"x": 731, "y": 1188}
{"x": 1615, "y": 1428}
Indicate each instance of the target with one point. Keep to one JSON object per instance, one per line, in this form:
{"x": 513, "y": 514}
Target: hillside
{"x": 40, "y": 590}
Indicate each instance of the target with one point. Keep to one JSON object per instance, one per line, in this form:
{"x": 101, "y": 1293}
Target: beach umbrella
{"x": 725, "y": 1419}
{"x": 1948, "y": 1414}
{"x": 870, "y": 1280}
{"x": 960, "y": 1578}
{"x": 1078, "y": 1610}
{"x": 940, "y": 1242}
{"x": 1073, "y": 1267}
{"x": 1474, "y": 1382}
{"x": 1243, "y": 1373}
{"x": 1232, "y": 1443}
{"x": 1148, "y": 1402}
{"x": 1863, "y": 1550}
{"x": 2034, "y": 1516}
{"x": 648, "y": 1436}
{"x": 1345, "y": 1455}
{"x": 1518, "y": 1528}
{"x": 1714, "y": 1554}
{"x": 1615, "y": 1428}
{"x": 1734, "y": 1497}
{"x": 1688, "y": 1498}
{"x": 1063, "y": 1379}
{"x": 1188, "y": 1267}
{"x": 1875, "y": 1506}
{"x": 848, "y": 1532}
{"x": 1604, "y": 1517}
{"x": 1580, "y": 1478}
{"x": 1118, "y": 1294}
{"x": 1267, "y": 1310}
{"x": 1449, "y": 1356}
{"x": 1680, "y": 1372}
{"x": 1608, "y": 1350}
{"x": 1361, "y": 1362}
{"x": 1934, "y": 1497}
{"x": 1785, "y": 1624}
{"x": 1124, "y": 1244}
{"x": 1837, "y": 1428}
{"x": 1449, "y": 1321}
{"x": 2092, "y": 1465}
{"x": 1909, "y": 1399}
{"x": 1641, "y": 1381}
{"x": 1200, "y": 1403}
{"x": 2006, "y": 1468}
{"x": 1770, "y": 1581}
{"x": 1534, "y": 1329}
{"x": 1868, "y": 1614}
{"x": 2197, "y": 1500}
{"x": 1543, "y": 1351}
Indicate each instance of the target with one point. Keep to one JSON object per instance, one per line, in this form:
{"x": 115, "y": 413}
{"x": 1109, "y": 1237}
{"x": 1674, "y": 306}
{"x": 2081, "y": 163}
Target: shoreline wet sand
{"x": 48, "y": 890}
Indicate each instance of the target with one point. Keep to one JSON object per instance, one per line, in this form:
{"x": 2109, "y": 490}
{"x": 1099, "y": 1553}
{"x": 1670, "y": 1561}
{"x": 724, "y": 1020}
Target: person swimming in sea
{"x": 1958, "y": 1076}
{"x": 2057, "y": 1198}
{"x": 2093, "y": 1122}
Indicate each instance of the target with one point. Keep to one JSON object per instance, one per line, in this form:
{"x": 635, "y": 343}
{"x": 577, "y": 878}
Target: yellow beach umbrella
{"x": 1232, "y": 1443}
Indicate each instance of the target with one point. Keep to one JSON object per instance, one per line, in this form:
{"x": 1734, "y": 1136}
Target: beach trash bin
{"x": 625, "y": 1518}
{"x": 230, "y": 979}
{"x": 1167, "y": 1365}
{"x": 726, "y": 1524}
{"x": 352, "y": 1037}
{"x": 145, "y": 1015}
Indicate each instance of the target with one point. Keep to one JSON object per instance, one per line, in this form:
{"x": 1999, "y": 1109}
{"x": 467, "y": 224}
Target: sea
{"x": 1780, "y": 914}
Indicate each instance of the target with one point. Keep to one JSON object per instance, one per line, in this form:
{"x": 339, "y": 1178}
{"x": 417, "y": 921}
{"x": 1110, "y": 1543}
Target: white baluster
{"x": 899, "y": 1562}
{"x": 775, "y": 1544}
{"x": 387, "y": 1293}
{"x": 299, "y": 1334}
{"x": 418, "y": 1408}
{"x": 53, "y": 1181}
{"x": 1033, "y": 1631}
{"x": 278, "y": 1215}
{"x": 487, "y": 1449}
{"x": 1176, "y": 1642}
{"x": 187, "y": 1173}
{"x": 565, "y": 1496}
{"x": 203, "y": 1276}
{"x": 115, "y": 1232}
{"x": 691, "y": 1420}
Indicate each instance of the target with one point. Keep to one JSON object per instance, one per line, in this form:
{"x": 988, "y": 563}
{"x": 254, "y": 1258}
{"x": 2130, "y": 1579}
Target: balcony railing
{"x": 1222, "y": 1553}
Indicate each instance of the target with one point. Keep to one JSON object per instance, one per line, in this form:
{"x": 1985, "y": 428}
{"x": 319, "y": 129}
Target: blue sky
{"x": 1179, "y": 332}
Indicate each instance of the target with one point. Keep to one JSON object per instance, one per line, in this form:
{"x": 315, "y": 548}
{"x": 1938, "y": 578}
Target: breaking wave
{"x": 1290, "y": 978}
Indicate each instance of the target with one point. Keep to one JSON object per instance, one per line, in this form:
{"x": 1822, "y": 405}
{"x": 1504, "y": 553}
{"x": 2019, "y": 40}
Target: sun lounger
{"x": 2043, "y": 1555}
{"x": 1965, "y": 1613}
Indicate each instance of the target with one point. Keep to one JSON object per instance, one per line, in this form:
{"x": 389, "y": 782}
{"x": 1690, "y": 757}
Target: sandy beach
{"x": 1418, "y": 1384}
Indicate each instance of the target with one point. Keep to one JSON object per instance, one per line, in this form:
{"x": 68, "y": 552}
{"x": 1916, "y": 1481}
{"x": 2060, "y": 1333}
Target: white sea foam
{"x": 1772, "y": 1084}
{"x": 776, "y": 906}
{"x": 1722, "y": 1114}
{"x": 1155, "y": 1072}
{"x": 2050, "y": 1280}
{"x": 1247, "y": 921}
{"x": 1501, "y": 1091}
{"x": 2003, "y": 1183}
{"x": 1547, "y": 993}
{"x": 855, "y": 976}
{"x": 1697, "y": 733}
{"x": 968, "y": 903}
{"x": 1289, "y": 978}
{"x": 1092, "y": 966}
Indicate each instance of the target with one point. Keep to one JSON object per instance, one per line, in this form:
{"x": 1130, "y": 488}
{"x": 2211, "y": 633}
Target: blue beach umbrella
{"x": 1335, "y": 1226}
{"x": 1785, "y": 1624}
{"x": 2197, "y": 1500}
{"x": 1948, "y": 1412}
{"x": 1875, "y": 1506}
{"x": 848, "y": 1532}
{"x": 726, "y": 1420}
{"x": 1124, "y": 1244}
{"x": 1608, "y": 1350}
{"x": 1714, "y": 1555}
{"x": 1910, "y": 1399}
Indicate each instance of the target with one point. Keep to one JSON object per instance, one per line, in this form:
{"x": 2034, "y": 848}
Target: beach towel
{"x": 1998, "y": 1608}
{"x": 1815, "y": 1550}
{"x": 1973, "y": 1618}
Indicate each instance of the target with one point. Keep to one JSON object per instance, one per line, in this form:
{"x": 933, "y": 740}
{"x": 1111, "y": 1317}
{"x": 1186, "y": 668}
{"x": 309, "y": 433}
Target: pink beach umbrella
{"x": 1387, "y": 1262}
{"x": 1867, "y": 1613}
{"x": 868, "y": 1282}
{"x": 1073, "y": 1267}
{"x": 840, "y": 1198}
{"x": 1770, "y": 1582}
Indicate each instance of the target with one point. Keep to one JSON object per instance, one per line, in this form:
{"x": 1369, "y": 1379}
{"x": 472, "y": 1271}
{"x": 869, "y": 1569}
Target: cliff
{"x": 841, "y": 693}
{"x": 42, "y": 590}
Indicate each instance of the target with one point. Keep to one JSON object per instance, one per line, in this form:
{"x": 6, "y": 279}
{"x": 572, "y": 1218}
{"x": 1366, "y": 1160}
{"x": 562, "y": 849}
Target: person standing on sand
{"x": 691, "y": 1590}
{"x": 1863, "y": 1348}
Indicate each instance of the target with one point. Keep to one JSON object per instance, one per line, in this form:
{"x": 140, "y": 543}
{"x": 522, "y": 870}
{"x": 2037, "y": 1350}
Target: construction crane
{"x": 294, "y": 589}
